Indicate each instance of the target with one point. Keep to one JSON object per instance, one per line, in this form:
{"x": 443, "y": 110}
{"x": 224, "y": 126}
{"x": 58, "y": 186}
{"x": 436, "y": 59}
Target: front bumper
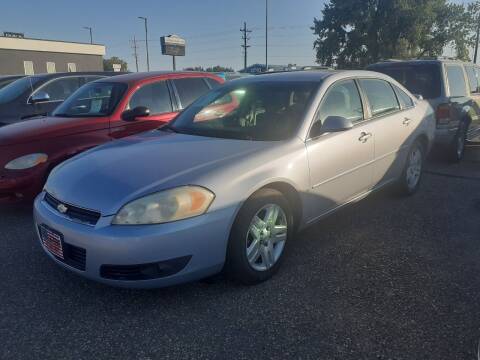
{"x": 202, "y": 239}
{"x": 21, "y": 185}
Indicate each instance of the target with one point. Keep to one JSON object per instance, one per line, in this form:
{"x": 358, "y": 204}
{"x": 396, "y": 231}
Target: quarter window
{"x": 380, "y": 95}
{"x": 155, "y": 97}
{"x": 472, "y": 79}
{"x": 342, "y": 99}
{"x": 189, "y": 89}
{"x": 60, "y": 89}
{"x": 213, "y": 83}
{"x": 404, "y": 99}
{"x": 456, "y": 80}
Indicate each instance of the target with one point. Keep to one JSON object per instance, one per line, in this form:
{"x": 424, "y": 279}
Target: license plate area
{"x": 52, "y": 240}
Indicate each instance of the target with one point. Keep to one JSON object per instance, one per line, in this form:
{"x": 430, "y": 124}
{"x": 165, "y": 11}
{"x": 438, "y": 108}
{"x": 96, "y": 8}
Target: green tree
{"x": 108, "y": 64}
{"x": 194, "y": 68}
{"x": 355, "y": 33}
{"x": 218, "y": 68}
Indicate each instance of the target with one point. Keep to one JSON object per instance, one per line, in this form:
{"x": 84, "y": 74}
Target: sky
{"x": 210, "y": 27}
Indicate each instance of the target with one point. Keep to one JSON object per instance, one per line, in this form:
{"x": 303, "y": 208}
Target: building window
{"x": 28, "y": 66}
{"x": 72, "y": 67}
{"x": 51, "y": 67}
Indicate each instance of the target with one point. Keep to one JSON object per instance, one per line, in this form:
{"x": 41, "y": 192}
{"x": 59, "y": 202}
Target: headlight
{"x": 166, "y": 206}
{"x": 26, "y": 162}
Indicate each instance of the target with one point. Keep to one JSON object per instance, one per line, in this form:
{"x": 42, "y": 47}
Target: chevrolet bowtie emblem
{"x": 62, "y": 208}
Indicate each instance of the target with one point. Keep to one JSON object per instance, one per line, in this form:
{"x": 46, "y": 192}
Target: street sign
{"x": 117, "y": 67}
{"x": 173, "y": 45}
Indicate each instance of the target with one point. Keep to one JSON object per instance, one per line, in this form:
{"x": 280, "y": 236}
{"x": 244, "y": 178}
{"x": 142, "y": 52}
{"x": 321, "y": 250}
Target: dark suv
{"x": 40, "y": 94}
{"x": 452, "y": 88}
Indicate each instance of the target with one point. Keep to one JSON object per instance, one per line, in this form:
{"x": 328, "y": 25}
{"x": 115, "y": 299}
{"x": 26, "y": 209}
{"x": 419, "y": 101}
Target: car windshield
{"x": 92, "y": 100}
{"x": 17, "y": 88}
{"x": 264, "y": 111}
{"x": 419, "y": 79}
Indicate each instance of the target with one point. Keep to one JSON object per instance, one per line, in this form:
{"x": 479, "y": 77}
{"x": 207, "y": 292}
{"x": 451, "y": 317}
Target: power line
{"x": 245, "y": 39}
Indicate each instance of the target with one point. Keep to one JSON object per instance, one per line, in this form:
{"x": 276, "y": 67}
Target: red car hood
{"x": 43, "y": 128}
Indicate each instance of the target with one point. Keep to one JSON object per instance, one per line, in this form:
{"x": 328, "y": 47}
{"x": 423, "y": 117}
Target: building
{"x": 20, "y": 55}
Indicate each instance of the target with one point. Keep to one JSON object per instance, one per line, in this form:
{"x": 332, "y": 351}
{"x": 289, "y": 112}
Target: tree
{"x": 108, "y": 64}
{"x": 353, "y": 34}
{"x": 195, "y": 68}
{"x": 219, "y": 68}
{"x": 216, "y": 68}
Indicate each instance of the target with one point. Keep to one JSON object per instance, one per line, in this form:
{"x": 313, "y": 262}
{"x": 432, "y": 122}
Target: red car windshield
{"x": 94, "y": 99}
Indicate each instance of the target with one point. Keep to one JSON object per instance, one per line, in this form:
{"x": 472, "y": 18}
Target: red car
{"x": 98, "y": 112}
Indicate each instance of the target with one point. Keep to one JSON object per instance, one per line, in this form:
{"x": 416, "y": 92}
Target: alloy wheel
{"x": 266, "y": 237}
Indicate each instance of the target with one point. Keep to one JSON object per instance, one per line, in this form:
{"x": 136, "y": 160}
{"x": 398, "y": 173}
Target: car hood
{"x": 107, "y": 177}
{"x": 33, "y": 129}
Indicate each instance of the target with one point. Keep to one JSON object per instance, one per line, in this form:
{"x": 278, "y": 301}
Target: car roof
{"x": 140, "y": 76}
{"x": 309, "y": 75}
{"x": 77, "y": 73}
{"x": 418, "y": 62}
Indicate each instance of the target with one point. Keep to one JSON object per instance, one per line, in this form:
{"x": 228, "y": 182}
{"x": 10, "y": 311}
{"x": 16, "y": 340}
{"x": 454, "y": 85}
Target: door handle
{"x": 364, "y": 136}
{"x": 406, "y": 121}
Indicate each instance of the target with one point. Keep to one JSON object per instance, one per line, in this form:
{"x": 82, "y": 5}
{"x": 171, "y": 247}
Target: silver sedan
{"x": 231, "y": 180}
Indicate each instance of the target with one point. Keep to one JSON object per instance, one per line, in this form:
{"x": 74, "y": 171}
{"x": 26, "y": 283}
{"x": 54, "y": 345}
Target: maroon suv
{"x": 98, "y": 112}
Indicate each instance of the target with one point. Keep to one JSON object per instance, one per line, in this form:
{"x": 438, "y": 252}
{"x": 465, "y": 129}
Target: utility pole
{"x": 476, "y": 42}
{"x": 146, "y": 40}
{"x": 91, "y": 36}
{"x": 266, "y": 35}
{"x": 245, "y": 38}
{"x": 135, "y": 54}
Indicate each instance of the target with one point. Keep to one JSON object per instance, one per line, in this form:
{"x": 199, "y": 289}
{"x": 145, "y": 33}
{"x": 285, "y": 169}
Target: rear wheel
{"x": 457, "y": 149}
{"x": 409, "y": 181}
{"x": 259, "y": 237}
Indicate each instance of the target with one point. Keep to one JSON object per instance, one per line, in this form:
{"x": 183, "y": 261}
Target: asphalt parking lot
{"x": 387, "y": 278}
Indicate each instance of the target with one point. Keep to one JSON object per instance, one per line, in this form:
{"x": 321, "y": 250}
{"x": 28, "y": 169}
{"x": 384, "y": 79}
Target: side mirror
{"x": 132, "y": 114}
{"x": 331, "y": 124}
{"x": 418, "y": 96}
{"x": 39, "y": 97}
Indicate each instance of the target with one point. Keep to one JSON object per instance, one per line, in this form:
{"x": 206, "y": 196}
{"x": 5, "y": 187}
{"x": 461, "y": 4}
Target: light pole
{"x": 146, "y": 40}
{"x": 266, "y": 35}
{"x": 91, "y": 36}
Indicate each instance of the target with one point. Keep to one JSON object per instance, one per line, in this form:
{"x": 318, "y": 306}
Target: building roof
{"x": 25, "y": 44}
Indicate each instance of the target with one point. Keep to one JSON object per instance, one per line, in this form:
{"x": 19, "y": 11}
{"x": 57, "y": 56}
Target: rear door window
{"x": 154, "y": 96}
{"x": 60, "y": 89}
{"x": 380, "y": 95}
{"x": 456, "y": 80}
{"x": 472, "y": 78}
{"x": 421, "y": 79}
{"x": 189, "y": 89}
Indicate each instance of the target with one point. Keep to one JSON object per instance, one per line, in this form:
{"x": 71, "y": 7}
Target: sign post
{"x": 173, "y": 45}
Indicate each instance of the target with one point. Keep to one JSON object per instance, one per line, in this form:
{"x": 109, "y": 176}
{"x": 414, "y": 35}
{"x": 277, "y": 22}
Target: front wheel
{"x": 409, "y": 181}
{"x": 259, "y": 237}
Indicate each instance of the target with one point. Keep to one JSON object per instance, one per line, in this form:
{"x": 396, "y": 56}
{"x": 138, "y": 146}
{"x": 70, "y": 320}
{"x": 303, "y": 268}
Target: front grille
{"x": 75, "y": 213}
{"x": 74, "y": 256}
{"x": 144, "y": 271}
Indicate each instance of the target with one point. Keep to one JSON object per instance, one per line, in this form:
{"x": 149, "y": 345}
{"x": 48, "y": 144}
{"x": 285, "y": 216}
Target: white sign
{"x": 117, "y": 67}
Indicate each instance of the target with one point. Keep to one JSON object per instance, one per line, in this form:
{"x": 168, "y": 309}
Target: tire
{"x": 457, "y": 148}
{"x": 249, "y": 235}
{"x": 411, "y": 177}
